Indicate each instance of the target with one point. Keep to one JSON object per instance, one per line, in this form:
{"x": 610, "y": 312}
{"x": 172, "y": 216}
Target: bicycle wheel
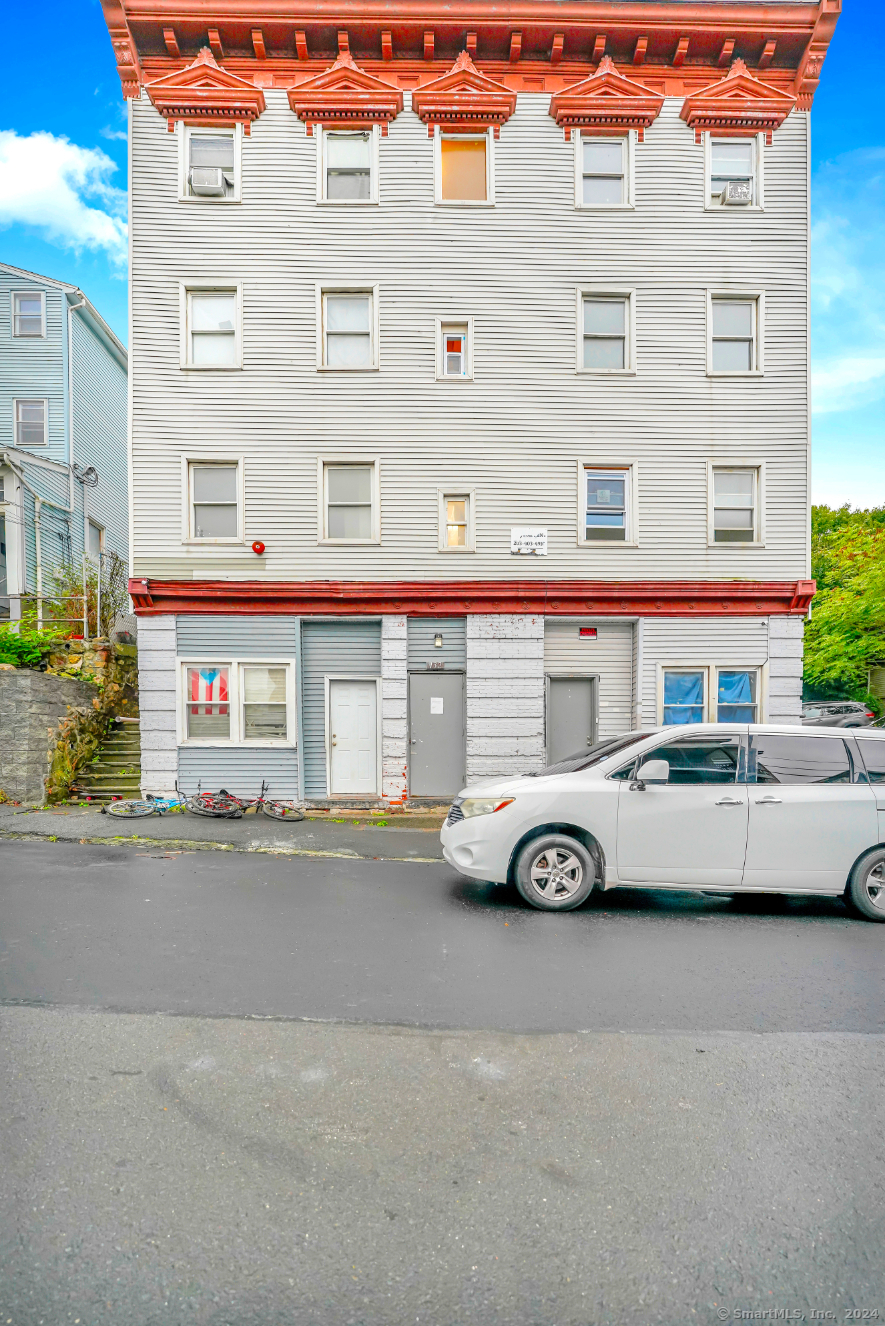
{"x": 217, "y": 807}
{"x": 130, "y": 810}
{"x": 282, "y": 810}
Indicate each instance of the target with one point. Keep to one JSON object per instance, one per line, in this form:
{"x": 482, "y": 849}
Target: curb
{"x": 192, "y": 845}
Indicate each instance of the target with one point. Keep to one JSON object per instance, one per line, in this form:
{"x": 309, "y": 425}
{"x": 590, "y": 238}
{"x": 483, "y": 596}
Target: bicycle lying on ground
{"x": 218, "y": 805}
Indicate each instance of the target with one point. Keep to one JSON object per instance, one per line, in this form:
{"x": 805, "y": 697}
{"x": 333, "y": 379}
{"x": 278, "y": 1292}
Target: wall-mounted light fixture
{"x": 437, "y": 641}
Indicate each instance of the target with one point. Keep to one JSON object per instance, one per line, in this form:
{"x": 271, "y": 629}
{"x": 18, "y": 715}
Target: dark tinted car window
{"x": 590, "y": 755}
{"x": 872, "y": 751}
{"x": 700, "y": 760}
{"x": 785, "y": 759}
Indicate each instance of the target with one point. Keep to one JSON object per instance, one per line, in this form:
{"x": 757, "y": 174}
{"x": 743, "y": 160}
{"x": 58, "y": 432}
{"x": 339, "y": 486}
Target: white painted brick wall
{"x": 505, "y": 695}
{"x": 785, "y": 641}
{"x": 156, "y": 702}
{"x": 394, "y": 707}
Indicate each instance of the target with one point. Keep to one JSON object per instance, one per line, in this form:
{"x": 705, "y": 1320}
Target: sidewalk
{"x": 413, "y": 837}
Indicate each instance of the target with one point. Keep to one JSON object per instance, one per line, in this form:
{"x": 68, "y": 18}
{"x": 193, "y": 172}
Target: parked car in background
{"x": 719, "y": 807}
{"x": 836, "y": 713}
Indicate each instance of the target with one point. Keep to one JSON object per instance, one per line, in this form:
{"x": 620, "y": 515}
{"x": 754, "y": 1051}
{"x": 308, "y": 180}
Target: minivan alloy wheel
{"x": 557, "y": 873}
{"x": 875, "y": 886}
{"x": 866, "y": 887}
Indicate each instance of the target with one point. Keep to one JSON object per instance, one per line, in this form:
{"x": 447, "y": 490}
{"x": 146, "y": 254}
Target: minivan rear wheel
{"x": 555, "y": 873}
{"x": 866, "y": 887}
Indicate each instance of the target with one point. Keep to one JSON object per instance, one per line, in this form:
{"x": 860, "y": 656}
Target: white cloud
{"x": 64, "y": 190}
{"x": 843, "y": 384}
{"x": 119, "y": 135}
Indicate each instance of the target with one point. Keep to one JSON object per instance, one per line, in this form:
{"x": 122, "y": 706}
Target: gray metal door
{"x": 436, "y": 734}
{"x": 571, "y": 715}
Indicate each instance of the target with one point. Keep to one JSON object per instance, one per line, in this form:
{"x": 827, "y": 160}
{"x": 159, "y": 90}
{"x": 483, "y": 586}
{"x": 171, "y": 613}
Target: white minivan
{"x": 718, "y": 807}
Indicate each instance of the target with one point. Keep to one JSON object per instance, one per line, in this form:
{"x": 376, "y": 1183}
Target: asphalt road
{"x": 658, "y": 1109}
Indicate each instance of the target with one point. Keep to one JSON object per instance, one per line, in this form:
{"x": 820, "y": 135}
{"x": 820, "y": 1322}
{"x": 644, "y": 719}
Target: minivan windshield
{"x": 590, "y": 755}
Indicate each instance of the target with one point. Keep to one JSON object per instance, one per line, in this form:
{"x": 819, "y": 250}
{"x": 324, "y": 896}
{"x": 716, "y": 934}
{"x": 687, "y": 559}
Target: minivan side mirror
{"x": 653, "y": 771}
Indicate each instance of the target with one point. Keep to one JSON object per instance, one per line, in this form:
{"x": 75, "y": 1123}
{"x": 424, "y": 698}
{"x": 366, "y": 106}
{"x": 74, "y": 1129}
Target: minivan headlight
{"x": 483, "y": 805}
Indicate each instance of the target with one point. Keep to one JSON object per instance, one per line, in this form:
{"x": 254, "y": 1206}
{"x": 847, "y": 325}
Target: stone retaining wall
{"x": 31, "y": 707}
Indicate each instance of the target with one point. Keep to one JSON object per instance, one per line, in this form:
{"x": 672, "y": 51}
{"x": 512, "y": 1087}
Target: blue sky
{"x": 63, "y": 209}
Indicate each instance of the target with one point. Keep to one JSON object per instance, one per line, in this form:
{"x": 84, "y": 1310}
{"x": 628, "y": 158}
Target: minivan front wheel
{"x": 555, "y": 873}
{"x": 866, "y": 888}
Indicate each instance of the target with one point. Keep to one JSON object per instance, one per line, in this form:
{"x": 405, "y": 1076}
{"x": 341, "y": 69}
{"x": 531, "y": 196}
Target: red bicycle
{"x": 225, "y": 805}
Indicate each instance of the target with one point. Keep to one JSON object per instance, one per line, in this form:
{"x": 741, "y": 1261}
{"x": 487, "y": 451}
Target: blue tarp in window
{"x": 736, "y": 700}
{"x": 683, "y": 697}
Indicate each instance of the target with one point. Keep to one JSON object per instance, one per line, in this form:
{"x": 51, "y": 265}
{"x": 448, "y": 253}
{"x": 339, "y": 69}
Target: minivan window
{"x": 585, "y": 759}
{"x": 872, "y": 751}
{"x": 777, "y": 758}
{"x": 696, "y": 760}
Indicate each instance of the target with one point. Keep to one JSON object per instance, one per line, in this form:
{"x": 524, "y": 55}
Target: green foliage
{"x": 66, "y": 589}
{"x": 23, "y": 645}
{"x": 846, "y": 633}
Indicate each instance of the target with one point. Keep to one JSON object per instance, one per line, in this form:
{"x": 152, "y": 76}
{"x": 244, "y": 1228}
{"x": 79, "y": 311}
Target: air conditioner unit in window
{"x": 737, "y": 193}
{"x": 207, "y": 181}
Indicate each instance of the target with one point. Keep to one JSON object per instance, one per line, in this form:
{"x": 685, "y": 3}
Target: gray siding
{"x": 99, "y": 424}
{"x": 239, "y": 769}
{"x": 737, "y": 642}
{"x": 330, "y": 649}
{"x": 237, "y": 637}
{"x": 516, "y": 433}
{"x": 422, "y": 650}
{"x": 609, "y": 656}
{"x": 34, "y": 366}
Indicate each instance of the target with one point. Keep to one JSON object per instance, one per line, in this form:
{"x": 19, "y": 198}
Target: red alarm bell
{"x": 258, "y": 547}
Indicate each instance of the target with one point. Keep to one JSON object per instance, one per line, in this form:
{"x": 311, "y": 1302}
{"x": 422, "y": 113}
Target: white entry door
{"x": 353, "y": 738}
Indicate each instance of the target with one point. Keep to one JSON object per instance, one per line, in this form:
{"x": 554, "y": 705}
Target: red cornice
{"x": 607, "y": 103}
{"x": 464, "y": 99}
{"x": 738, "y": 104}
{"x": 345, "y": 96}
{"x": 430, "y": 598}
{"x": 204, "y": 93}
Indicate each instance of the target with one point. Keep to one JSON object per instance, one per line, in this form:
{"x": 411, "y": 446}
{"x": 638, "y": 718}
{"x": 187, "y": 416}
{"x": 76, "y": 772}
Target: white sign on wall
{"x": 436, "y": 704}
{"x": 528, "y": 541}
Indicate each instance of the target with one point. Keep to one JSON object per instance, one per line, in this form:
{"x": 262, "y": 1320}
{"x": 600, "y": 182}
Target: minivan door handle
{"x": 768, "y": 801}
{"x": 729, "y": 801}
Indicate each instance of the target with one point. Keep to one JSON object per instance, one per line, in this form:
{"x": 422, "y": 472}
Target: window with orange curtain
{"x": 464, "y": 169}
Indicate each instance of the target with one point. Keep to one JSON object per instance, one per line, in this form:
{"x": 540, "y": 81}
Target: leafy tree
{"x": 846, "y": 633}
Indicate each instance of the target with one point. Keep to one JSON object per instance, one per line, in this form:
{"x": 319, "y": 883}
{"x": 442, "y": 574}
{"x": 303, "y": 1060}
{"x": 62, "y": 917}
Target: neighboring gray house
{"x": 63, "y": 459}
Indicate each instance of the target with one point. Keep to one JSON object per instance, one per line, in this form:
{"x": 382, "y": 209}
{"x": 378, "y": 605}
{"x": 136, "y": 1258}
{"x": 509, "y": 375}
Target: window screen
{"x": 214, "y": 496}
{"x": 777, "y": 758}
{"x": 699, "y": 760}
{"x": 348, "y": 501}
{"x": 463, "y": 162}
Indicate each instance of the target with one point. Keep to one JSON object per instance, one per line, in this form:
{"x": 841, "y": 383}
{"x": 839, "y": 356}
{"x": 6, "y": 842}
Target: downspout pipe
{"x": 71, "y": 455}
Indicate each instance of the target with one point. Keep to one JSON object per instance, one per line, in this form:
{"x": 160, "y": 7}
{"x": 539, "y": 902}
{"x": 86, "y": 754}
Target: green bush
{"x": 24, "y": 646}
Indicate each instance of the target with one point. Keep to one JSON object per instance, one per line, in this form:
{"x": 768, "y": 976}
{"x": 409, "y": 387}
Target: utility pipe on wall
{"x": 38, "y": 503}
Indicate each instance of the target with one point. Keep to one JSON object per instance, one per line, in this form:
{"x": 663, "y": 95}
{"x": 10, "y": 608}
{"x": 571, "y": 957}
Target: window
{"x": 606, "y": 497}
{"x": 685, "y": 696}
{"x": 456, "y": 533}
{"x": 348, "y": 318}
{"x": 701, "y": 760}
{"x": 732, "y": 161}
{"x": 214, "y": 501}
{"x": 464, "y": 171}
{"x": 736, "y": 698}
{"x": 350, "y": 502}
{"x": 30, "y": 423}
{"x": 786, "y": 759}
{"x": 264, "y": 704}
{"x": 605, "y": 339}
{"x": 735, "y": 505}
{"x": 873, "y": 753}
{"x": 212, "y": 329}
{"x": 347, "y": 167}
{"x": 454, "y": 354}
{"x": 28, "y": 310}
{"x": 733, "y": 334}
{"x": 207, "y": 704}
{"x": 212, "y": 164}
{"x": 94, "y": 540}
{"x": 602, "y": 172}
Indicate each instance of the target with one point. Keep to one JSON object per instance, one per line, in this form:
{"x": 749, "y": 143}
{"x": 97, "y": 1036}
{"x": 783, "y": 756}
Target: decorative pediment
{"x": 738, "y": 105}
{"x": 463, "y": 100}
{"x": 204, "y": 93}
{"x": 346, "y": 97}
{"x": 607, "y": 102}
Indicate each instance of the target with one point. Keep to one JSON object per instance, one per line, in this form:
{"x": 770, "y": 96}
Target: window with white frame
{"x": 464, "y": 168}
{"x": 28, "y": 313}
{"x": 350, "y": 500}
{"x": 211, "y": 165}
{"x": 454, "y": 351}
{"x": 735, "y": 505}
{"x": 606, "y": 513}
{"x": 602, "y": 172}
{"x": 214, "y": 501}
{"x": 684, "y": 695}
{"x": 348, "y": 166}
{"x": 733, "y": 171}
{"x": 349, "y": 329}
{"x": 734, "y": 334}
{"x": 212, "y": 329}
{"x": 94, "y": 540}
{"x": 234, "y": 702}
{"x": 456, "y": 522}
{"x": 30, "y": 423}
{"x": 737, "y": 695}
{"x": 605, "y": 340}
{"x": 689, "y": 694}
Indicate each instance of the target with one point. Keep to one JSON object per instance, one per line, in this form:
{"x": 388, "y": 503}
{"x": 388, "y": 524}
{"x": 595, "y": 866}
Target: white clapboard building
{"x": 469, "y": 382}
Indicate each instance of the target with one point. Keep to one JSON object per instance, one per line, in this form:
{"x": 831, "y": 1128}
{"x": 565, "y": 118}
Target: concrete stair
{"x": 116, "y": 769}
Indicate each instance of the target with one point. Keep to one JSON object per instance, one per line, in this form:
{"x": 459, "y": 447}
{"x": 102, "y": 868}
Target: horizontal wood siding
{"x": 738, "y": 642}
{"x": 609, "y": 656}
{"x": 515, "y": 434}
{"x": 238, "y": 769}
{"x": 99, "y": 415}
{"x": 33, "y": 366}
{"x": 238, "y": 637}
{"x": 422, "y": 650}
{"x": 330, "y": 649}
